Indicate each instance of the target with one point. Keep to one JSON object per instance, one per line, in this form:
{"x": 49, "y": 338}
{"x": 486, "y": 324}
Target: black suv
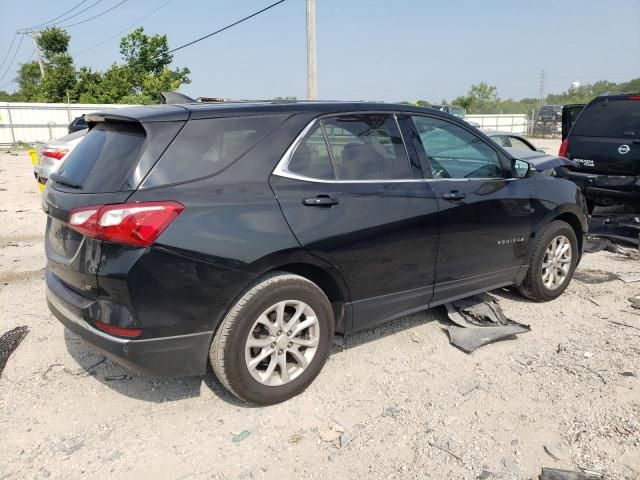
{"x": 78, "y": 123}
{"x": 247, "y": 234}
{"x": 550, "y": 113}
{"x": 604, "y": 144}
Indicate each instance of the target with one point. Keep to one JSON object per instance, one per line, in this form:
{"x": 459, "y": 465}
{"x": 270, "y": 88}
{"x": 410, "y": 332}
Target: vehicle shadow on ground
{"x": 136, "y": 385}
{"x": 361, "y": 337}
{"x": 160, "y": 390}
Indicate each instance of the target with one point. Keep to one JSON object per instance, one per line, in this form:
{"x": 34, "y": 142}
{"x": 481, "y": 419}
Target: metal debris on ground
{"x": 555, "y": 474}
{"x": 9, "y": 341}
{"x": 635, "y": 301}
{"x": 479, "y": 320}
{"x": 629, "y": 277}
{"x": 595, "y": 244}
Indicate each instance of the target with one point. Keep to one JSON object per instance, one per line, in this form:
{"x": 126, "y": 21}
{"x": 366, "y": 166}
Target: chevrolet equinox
{"x": 246, "y": 235}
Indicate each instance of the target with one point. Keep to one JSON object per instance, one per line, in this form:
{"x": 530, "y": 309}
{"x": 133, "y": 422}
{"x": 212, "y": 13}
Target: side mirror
{"x": 520, "y": 168}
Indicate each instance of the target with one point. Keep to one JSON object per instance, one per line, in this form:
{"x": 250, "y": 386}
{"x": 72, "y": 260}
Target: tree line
{"x": 144, "y": 72}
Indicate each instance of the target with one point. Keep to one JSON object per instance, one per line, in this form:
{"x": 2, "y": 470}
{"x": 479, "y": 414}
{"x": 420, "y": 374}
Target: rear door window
{"x": 207, "y": 146}
{"x": 366, "y": 147}
{"x": 101, "y": 160}
{"x": 311, "y": 158}
{"x": 609, "y": 117}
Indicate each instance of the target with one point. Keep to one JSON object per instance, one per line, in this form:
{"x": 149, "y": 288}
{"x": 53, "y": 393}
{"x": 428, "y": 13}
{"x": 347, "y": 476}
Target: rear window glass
{"x": 205, "y": 147}
{"x": 101, "y": 160}
{"x": 609, "y": 118}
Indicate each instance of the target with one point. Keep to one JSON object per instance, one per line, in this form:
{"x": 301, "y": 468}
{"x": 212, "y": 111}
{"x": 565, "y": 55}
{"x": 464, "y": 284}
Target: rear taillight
{"x": 122, "y": 332}
{"x": 633, "y": 97}
{"x": 57, "y": 153}
{"x": 138, "y": 224}
{"x": 564, "y": 146}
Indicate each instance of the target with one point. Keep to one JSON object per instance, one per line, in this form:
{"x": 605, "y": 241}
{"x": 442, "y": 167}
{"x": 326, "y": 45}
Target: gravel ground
{"x": 394, "y": 402}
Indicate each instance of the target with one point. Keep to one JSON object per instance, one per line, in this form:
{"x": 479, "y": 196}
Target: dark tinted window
{"x": 366, "y": 147}
{"x": 205, "y": 147}
{"x": 609, "y": 118}
{"x": 100, "y": 162}
{"x": 454, "y": 152}
{"x": 80, "y": 122}
{"x": 311, "y": 157}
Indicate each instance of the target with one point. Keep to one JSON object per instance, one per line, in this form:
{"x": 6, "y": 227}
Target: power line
{"x": 123, "y": 30}
{"x": 26, "y": 61}
{"x": 59, "y": 16}
{"x": 95, "y": 16}
{"x": 13, "y": 59}
{"x": 9, "y": 51}
{"x": 227, "y": 27}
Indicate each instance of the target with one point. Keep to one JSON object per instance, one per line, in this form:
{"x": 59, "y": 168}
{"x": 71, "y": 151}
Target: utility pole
{"x": 312, "y": 81}
{"x": 541, "y": 92}
{"x": 34, "y": 36}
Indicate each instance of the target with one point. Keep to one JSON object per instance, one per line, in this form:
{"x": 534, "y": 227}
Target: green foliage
{"x": 141, "y": 77}
{"x": 53, "y": 41}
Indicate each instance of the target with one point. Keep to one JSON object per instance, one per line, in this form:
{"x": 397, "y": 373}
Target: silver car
{"x": 51, "y": 154}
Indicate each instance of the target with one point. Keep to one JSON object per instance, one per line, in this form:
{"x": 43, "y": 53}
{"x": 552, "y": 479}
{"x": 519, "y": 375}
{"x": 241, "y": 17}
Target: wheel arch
{"x": 576, "y": 225}
{"x": 333, "y": 288}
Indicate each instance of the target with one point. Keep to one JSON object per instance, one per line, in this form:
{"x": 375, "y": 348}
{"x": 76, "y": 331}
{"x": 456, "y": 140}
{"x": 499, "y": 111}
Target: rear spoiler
{"x": 175, "y": 98}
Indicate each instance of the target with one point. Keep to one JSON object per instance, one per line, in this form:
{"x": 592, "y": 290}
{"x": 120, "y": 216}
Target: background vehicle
{"x": 604, "y": 144}
{"x": 520, "y": 147}
{"x": 51, "y": 154}
{"x": 454, "y": 110}
{"x": 246, "y": 234}
{"x": 78, "y": 123}
{"x": 510, "y": 140}
{"x": 550, "y": 113}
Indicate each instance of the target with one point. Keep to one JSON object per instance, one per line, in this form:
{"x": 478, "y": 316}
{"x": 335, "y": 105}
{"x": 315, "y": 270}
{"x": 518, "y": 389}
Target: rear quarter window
{"x": 205, "y": 147}
{"x": 609, "y": 118}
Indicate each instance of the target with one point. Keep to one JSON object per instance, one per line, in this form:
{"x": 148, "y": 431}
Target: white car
{"x": 51, "y": 154}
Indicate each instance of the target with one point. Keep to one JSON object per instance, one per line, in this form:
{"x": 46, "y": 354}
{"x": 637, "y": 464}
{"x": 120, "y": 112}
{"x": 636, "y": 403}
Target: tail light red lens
{"x": 138, "y": 224}
{"x": 122, "y": 332}
{"x": 57, "y": 153}
{"x": 564, "y": 146}
{"x": 633, "y": 97}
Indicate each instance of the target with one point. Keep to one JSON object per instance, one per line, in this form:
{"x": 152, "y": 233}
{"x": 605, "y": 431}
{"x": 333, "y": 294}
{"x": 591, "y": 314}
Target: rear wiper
{"x": 63, "y": 181}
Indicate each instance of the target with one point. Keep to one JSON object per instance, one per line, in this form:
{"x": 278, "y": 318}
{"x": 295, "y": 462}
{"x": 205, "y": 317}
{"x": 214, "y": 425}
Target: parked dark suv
{"x": 247, "y": 234}
{"x": 604, "y": 144}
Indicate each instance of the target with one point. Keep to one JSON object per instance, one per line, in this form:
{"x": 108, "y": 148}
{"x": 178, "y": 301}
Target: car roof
{"x": 184, "y": 111}
{"x": 495, "y": 133}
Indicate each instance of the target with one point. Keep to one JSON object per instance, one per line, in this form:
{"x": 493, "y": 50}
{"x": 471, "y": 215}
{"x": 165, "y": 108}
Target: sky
{"x": 367, "y": 49}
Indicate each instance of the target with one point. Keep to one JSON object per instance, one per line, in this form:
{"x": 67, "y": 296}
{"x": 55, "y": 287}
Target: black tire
{"x": 533, "y": 286}
{"x": 227, "y": 352}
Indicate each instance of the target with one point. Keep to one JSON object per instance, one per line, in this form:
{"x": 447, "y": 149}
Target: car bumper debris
{"x": 479, "y": 320}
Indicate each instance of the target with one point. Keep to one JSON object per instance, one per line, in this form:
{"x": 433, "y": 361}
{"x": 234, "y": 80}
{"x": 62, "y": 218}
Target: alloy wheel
{"x": 282, "y": 342}
{"x": 556, "y": 262}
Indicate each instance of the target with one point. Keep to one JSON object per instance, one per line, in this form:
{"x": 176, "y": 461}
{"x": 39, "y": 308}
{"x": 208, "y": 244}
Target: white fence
{"x": 31, "y": 122}
{"x": 516, "y": 123}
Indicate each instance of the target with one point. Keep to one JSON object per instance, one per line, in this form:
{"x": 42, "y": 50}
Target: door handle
{"x": 454, "y": 195}
{"x": 320, "y": 201}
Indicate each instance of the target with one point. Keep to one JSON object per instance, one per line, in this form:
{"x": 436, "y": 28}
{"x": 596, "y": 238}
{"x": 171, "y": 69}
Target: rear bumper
{"x": 180, "y": 355}
{"x": 594, "y": 186}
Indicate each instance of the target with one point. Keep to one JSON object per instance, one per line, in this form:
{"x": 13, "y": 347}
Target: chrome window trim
{"x": 281, "y": 169}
